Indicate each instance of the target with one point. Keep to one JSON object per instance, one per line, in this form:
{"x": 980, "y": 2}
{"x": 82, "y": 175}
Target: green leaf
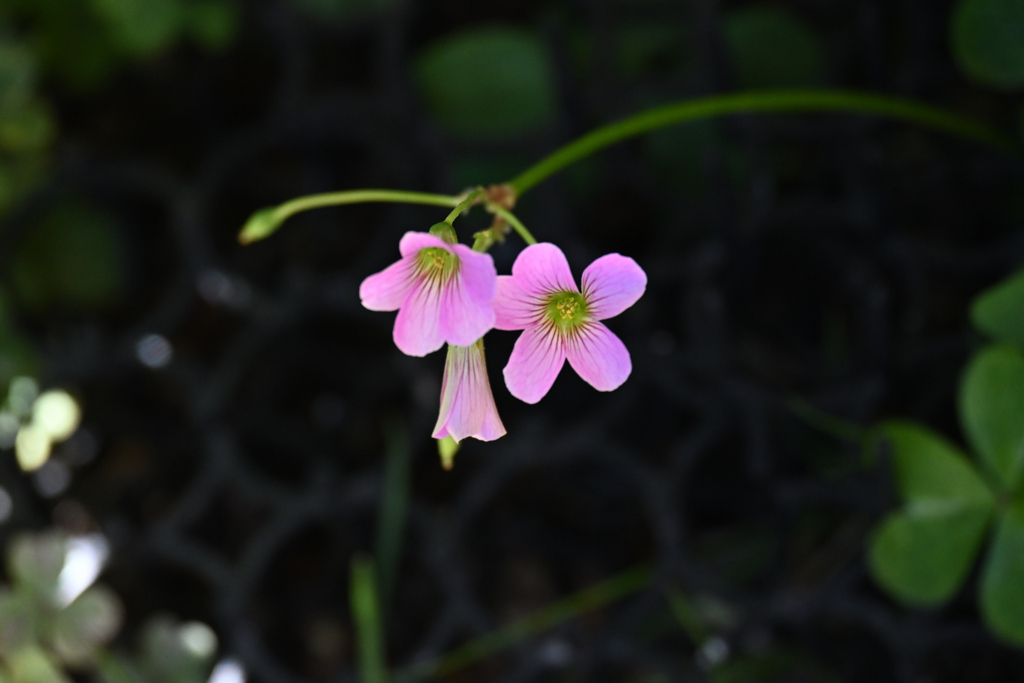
{"x": 35, "y": 561}
{"x": 922, "y": 552}
{"x": 992, "y": 411}
{"x": 93, "y": 619}
{"x": 73, "y": 257}
{"x": 489, "y": 83}
{"x": 988, "y": 40}
{"x": 210, "y": 23}
{"x": 17, "y": 74}
{"x": 141, "y": 27}
{"x": 32, "y": 665}
{"x": 771, "y": 47}
{"x": 345, "y": 10}
{"x": 19, "y": 617}
{"x": 999, "y": 311}
{"x": 1002, "y": 581}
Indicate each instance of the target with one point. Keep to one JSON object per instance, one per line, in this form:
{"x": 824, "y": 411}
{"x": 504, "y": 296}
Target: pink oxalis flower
{"x": 560, "y": 322}
{"x": 443, "y": 292}
{"x": 467, "y": 404}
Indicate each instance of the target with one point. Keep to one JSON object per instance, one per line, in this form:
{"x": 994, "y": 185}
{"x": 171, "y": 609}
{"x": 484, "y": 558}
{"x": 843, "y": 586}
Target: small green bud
{"x": 445, "y": 231}
{"x": 447, "y": 448}
{"x": 260, "y": 225}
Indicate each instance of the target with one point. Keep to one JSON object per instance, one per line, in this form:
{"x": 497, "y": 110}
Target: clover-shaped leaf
{"x": 922, "y": 552}
{"x": 992, "y": 411}
{"x": 999, "y": 311}
{"x": 91, "y": 620}
{"x": 32, "y": 665}
{"x": 771, "y": 47}
{"x": 19, "y": 616}
{"x": 1002, "y": 582}
{"x": 35, "y": 561}
{"x": 489, "y": 83}
{"x": 987, "y": 41}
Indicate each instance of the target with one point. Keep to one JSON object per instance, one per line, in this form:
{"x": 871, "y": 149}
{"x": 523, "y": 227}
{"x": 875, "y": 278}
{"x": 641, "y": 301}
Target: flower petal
{"x": 535, "y": 362}
{"x": 478, "y": 273}
{"x": 388, "y": 289}
{"x": 515, "y": 309}
{"x": 541, "y": 269}
{"x": 467, "y": 404}
{"x": 418, "y": 324}
{"x": 412, "y": 242}
{"x": 598, "y": 356}
{"x": 611, "y": 284}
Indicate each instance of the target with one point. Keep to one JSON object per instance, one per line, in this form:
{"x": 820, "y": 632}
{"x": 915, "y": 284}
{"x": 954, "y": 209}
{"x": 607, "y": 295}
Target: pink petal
{"x": 467, "y": 309}
{"x": 412, "y": 242}
{"x": 598, "y": 356}
{"x": 418, "y": 324}
{"x": 386, "y": 290}
{"x": 478, "y": 273}
{"x": 535, "y": 362}
{"x": 541, "y": 269}
{"x": 467, "y": 404}
{"x": 611, "y": 284}
{"x": 515, "y": 309}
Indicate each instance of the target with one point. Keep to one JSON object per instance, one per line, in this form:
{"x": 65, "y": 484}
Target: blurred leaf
{"x": 771, "y": 47}
{"x": 18, "y": 621}
{"x": 71, "y": 41}
{"x": 992, "y": 411}
{"x": 35, "y": 561}
{"x": 93, "y": 619}
{"x": 141, "y": 27}
{"x": 165, "y": 657}
{"x": 1002, "y": 582}
{"x": 17, "y": 74}
{"x": 988, "y": 40}
{"x": 73, "y": 257}
{"x": 26, "y": 129}
{"x": 210, "y": 23}
{"x": 17, "y": 357}
{"x": 32, "y": 665}
{"x": 922, "y": 553}
{"x": 999, "y": 311}
{"x": 488, "y": 83}
{"x": 641, "y": 47}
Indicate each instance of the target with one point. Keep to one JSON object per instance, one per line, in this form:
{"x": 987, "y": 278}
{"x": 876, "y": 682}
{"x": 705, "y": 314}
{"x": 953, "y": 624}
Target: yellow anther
{"x": 438, "y": 260}
{"x": 567, "y": 308}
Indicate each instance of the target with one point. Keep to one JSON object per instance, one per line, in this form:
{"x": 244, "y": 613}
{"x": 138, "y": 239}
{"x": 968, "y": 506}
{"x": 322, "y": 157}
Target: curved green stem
{"x": 511, "y": 219}
{"x": 265, "y": 222}
{"x": 764, "y": 101}
{"x": 464, "y": 204}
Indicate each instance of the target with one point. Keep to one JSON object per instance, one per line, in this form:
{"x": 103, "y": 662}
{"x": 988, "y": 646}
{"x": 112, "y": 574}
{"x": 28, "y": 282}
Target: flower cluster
{"x": 446, "y": 292}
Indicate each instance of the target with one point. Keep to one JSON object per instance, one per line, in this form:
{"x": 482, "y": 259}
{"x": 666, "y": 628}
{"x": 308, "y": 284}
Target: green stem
{"x": 587, "y": 599}
{"x": 841, "y": 429}
{"x": 265, "y": 222}
{"x": 394, "y": 504}
{"x": 464, "y": 204}
{"x": 365, "y": 605}
{"x": 516, "y": 224}
{"x": 766, "y": 101}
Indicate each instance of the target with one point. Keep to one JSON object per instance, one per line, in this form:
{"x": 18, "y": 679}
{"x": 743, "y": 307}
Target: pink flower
{"x": 443, "y": 292}
{"x": 467, "y": 404}
{"x": 559, "y": 321}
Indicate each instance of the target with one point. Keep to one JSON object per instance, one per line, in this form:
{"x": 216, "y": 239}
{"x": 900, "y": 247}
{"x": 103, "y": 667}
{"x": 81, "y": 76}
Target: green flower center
{"x": 437, "y": 263}
{"x": 566, "y": 310}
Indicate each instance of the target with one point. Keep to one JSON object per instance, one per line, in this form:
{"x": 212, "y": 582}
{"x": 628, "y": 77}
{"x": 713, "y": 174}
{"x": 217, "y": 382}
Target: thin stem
{"x": 841, "y": 429}
{"x": 464, "y": 204}
{"x": 265, "y": 222}
{"x": 766, "y": 101}
{"x": 394, "y": 504}
{"x": 516, "y": 224}
{"x": 365, "y": 604}
{"x": 587, "y": 599}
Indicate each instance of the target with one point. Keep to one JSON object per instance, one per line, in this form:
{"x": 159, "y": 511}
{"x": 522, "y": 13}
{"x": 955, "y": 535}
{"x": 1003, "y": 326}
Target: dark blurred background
{"x": 238, "y": 405}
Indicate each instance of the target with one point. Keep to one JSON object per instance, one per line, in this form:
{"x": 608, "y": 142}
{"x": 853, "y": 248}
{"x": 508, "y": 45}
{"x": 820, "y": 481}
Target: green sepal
{"x": 445, "y": 231}
{"x": 992, "y": 411}
{"x": 922, "y": 553}
{"x": 1002, "y": 579}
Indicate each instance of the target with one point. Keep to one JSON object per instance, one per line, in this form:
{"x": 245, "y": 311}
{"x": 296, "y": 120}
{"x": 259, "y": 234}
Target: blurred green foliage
{"x": 73, "y": 258}
{"x": 46, "y": 633}
{"x": 488, "y": 83}
{"x": 988, "y": 41}
{"x": 345, "y": 10}
{"x": 923, "y": 552}
{"x": 770, "y": 46}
